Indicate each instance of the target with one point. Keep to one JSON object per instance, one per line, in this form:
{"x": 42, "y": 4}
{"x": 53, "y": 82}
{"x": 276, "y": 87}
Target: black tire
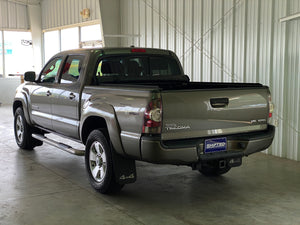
{"x": 211, "y": 169}
{"x": 99, "y": 163}
{"x": 23, "y": 132}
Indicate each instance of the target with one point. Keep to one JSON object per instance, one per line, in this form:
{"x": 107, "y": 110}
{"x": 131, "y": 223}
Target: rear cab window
{"x": 133, "y": 67}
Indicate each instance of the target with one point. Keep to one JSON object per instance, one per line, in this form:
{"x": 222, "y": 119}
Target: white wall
{"x": 110, "y": 18}
{"x": 35, "y": 20}
{"x": 8, "y": 89}
{"x": 229, "y": 40}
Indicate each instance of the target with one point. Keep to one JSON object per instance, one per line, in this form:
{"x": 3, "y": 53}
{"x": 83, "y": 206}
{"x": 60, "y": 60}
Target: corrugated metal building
{"x": 13, "y": 16}
{"x": 229, "y": 40}
{"x": 216, "y": 40}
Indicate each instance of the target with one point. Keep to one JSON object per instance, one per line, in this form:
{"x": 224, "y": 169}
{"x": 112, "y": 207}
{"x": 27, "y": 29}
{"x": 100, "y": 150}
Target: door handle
{"x": 72, "y": 96}
{"x": 219, "y": 102}
{"x": 48, "y": 93}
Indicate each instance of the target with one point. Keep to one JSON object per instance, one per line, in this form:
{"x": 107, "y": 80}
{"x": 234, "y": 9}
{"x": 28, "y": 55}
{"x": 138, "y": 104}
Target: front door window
{"x": 50, "y": 71}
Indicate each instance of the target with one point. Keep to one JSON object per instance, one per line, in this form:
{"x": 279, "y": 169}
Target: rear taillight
{"x": 152, "y": 117}
{"x": 271, "y": 106}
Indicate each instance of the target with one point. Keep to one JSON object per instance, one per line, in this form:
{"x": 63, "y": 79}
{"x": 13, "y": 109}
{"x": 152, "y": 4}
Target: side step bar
{"x": 59, "y": 145}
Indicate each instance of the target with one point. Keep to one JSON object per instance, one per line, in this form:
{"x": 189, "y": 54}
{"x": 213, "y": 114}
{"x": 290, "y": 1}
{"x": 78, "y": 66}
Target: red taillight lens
{"x": 152, "y": 117}
{"x": 271, "y": 107}
{"x": 138, "y": 50}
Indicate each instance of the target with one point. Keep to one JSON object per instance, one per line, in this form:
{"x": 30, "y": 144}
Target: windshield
{"x": 145, "y": 67}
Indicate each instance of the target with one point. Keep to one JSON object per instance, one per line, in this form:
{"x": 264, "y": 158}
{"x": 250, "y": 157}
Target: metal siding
{"x": 131, "y": 23}
{"x": 228, "y": 47}
{"x": 58, "y": 13}
{"x": 291, "y": 113}
{"x": 135, "y": 17}
{"x": 196, "y": 70}
{"x": 297, "y": 96}
{"x": 239, "y": 42}
{"x": 217, "y": 42}
{"x": 163, "y": 24}
{"x": 179, "y": 30}
{"x": 252, "y": 22}
{"x": 149, "y": 31}
{"x": 278, "y": 74}
{"x": 264, "y": 51}
{"x": 128, "y": 22}
{"x": 80, "y": 6}
{"x": 231, "y": 40}
{"x": 142, "y": 24}
{"x": 3, "y": 14}
{"x": 12, "y": 22}
{"x": 188, "y": 37}
{"x": 52, "y": 16}
{"x": 206, "y": 40}
{"x": 22, "y": 19}
{"x": 171, "y": 26}
{"x": 13, "y": 16}
{"x": 124, "y": 20}
{"x": 156, "y": 21}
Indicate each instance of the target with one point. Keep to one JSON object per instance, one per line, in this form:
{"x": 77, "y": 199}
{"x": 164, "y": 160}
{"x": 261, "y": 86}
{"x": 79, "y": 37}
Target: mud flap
{"x": 124, "y": 169}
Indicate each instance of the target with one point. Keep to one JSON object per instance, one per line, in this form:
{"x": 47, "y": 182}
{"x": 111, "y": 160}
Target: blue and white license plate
{"x": 215, "y": 145}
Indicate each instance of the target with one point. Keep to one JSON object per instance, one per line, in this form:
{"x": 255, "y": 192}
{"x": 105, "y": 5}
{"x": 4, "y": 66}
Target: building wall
{"x": 58, "y": 13}
{"x": 13, "y": 16}
{"x": 8, "y": 88}
{"x": 229, "y": 41}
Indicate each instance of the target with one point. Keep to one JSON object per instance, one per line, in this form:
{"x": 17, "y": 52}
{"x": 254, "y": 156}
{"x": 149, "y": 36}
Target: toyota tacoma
{"x": 128, "y": 104}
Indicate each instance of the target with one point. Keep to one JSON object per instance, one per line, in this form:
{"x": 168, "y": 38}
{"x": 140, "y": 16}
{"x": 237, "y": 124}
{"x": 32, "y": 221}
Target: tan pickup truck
{"x": 127, "y": 104}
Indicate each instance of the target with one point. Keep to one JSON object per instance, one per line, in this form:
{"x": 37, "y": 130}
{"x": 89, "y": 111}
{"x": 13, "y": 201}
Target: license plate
{"x": 215, "y": 145}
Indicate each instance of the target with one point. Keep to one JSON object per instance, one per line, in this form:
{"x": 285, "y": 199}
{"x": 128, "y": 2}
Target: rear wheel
{"x": 99, "y": 163}
{"x": 213, "y": 168}
{"x": 23, "y": 132}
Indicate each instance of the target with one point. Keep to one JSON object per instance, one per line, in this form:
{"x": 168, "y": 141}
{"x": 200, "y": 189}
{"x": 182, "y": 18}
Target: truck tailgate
{"x": 213, "y": 112}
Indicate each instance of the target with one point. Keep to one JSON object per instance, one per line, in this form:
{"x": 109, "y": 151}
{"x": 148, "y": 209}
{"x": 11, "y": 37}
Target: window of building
{"x": 51, "y": 44}
{"x": 18, "y": 52}
{"x": 91, "y": 36}
{"x": 69, "y": 38}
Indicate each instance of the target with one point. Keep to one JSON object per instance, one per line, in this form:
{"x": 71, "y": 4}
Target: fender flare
{"x": 22, "y": 98}
{"x": 106, "y": 112}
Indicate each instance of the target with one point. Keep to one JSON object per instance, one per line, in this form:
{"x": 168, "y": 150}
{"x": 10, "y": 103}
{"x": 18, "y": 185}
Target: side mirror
{"x": 29, "y": 76}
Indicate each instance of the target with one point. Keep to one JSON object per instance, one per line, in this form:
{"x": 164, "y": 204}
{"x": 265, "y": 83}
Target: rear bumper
{"x": 188, "y": 151}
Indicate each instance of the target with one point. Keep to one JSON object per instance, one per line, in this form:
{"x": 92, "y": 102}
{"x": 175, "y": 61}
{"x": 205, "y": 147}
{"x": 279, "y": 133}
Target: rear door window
{"x": 72, "y": 69}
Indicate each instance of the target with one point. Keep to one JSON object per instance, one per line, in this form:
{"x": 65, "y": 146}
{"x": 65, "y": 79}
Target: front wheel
{"x": 23, "y": 132}
{"x": 99, "y": 164}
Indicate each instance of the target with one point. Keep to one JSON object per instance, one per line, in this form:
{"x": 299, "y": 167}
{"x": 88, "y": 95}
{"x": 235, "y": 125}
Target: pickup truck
{"x": 128, "y": 104}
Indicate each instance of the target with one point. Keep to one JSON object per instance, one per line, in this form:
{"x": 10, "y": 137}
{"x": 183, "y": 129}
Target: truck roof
{"x": 119, "y": 50}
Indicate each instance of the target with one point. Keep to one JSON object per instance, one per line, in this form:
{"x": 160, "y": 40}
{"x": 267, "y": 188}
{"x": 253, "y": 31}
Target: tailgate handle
{"x": 219, "y": 102}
